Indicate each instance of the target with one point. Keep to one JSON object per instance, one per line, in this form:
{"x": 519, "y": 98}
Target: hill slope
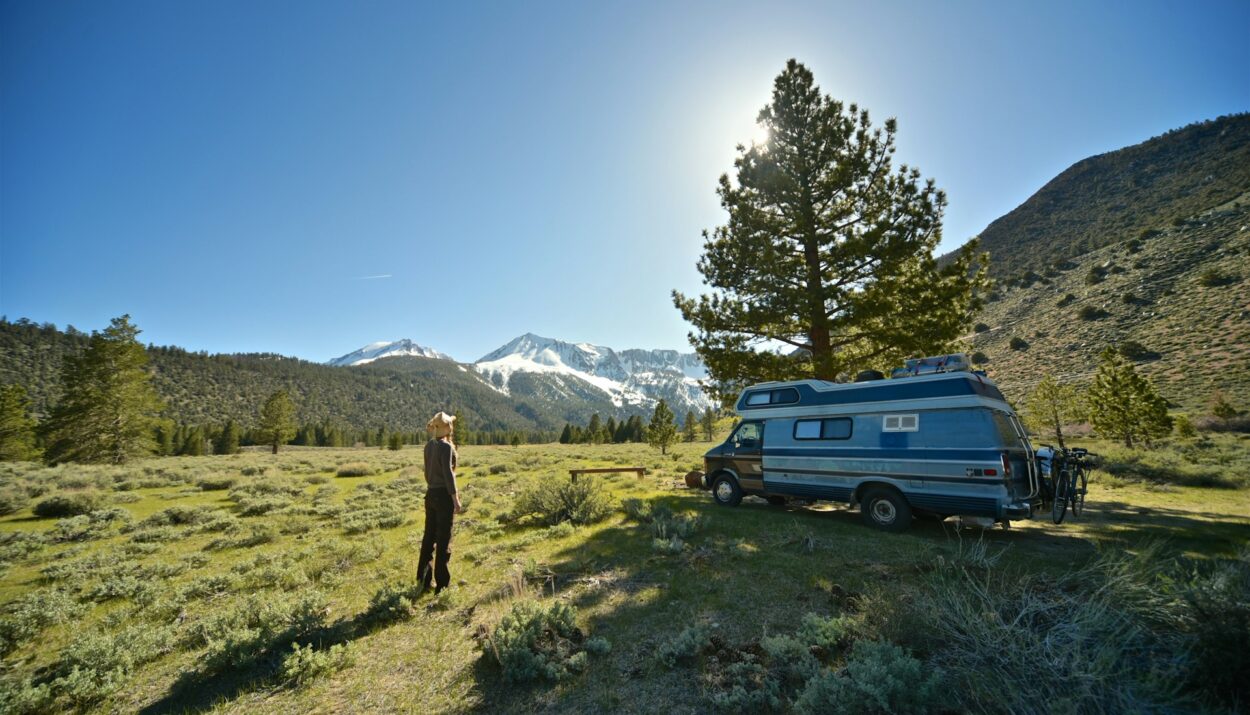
{"x": 1115, "y": 196}
{"x": 1182, "y": 294}
{"x": 399, "y": 392}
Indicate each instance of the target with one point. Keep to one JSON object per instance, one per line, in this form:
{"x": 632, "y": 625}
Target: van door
{"x": 745, "y": 455}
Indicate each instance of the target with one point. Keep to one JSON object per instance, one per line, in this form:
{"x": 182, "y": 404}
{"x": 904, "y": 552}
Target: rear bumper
{"x": 1018, "y": 511}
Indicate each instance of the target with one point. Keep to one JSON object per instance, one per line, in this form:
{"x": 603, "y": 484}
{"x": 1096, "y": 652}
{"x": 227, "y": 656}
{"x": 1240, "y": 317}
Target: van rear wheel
{"x": 885, "y": 509}
{"x": 725, "y": 491}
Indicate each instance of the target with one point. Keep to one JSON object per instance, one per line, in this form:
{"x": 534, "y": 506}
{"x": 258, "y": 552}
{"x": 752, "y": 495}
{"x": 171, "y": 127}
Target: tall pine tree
{"x": 277, "y": 420}
{"x": 690, "y": 430}
{"x": 662, "y": 431}
{"x": 17, "y": 427}
{"x": 828, "y": 251}
{"x": 109, "y": 410}
{"x": 1124, "y": 405}
{"x": 228, "y": 440}
{"x": 708, "y": 423}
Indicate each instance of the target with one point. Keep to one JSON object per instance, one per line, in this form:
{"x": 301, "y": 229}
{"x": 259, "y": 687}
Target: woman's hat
{"x": 441, "y": 422}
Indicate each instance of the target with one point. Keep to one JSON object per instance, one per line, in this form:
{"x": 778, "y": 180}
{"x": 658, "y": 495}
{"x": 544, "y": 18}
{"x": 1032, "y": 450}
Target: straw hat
{"x": 440, "y": 425}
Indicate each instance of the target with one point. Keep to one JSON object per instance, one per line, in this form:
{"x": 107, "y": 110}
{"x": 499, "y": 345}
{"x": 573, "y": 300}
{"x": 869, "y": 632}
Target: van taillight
{"x": 1006, "y": 467}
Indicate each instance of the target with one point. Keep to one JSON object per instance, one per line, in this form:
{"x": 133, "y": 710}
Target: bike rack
{"x": 1030, "y": 462}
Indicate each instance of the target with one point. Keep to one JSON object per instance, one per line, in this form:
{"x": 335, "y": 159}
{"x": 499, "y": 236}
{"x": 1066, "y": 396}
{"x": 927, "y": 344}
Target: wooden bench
{"x": 574, "y": 473}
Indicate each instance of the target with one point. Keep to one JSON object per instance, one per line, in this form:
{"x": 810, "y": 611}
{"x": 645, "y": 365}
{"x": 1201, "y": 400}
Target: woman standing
{"x": 442, "y": 500}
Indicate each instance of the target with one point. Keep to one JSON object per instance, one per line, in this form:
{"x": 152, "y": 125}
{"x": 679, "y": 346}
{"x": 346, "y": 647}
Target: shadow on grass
{"x": 757, "y": 569}
{"x": 201, "y": 690}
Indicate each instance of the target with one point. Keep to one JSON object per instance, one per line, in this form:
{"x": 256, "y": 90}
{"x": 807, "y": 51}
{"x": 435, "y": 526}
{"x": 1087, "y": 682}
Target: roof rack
{"x": 955, "y": 362}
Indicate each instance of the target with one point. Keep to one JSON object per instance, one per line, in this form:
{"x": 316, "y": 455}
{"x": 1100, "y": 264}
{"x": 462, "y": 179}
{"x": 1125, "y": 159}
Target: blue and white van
{"x": 938, "y": 440}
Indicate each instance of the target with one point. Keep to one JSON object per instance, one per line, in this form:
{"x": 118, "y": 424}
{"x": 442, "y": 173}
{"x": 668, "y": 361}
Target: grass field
{"x": 189, "y": 597}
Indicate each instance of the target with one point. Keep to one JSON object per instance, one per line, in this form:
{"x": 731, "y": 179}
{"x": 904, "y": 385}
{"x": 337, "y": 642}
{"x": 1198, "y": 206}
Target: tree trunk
{"x": 275, "y": 446}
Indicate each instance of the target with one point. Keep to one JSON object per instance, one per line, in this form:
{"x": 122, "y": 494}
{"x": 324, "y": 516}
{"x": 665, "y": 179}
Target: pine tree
{"x": 193, "y": 446}
{"x": 395, "y": 442}
{"x": 594, "y": 431}
{"x": 228, "y": 440}
{"x": 1052, "y": 405}
{"x": 567, "y": 435}
{"x": 637, "y": 432}
{"x": 827, "y": 251}
{"x": 165, "y": 437}
{"x": 109, "y": 410}
{"x": 662, "y": 431}
{"x": 690, "y": 430}
{"x": 277, "y": 420}
{"x": 1221, "y": 408}
{"x": 1124, "y": 405}
{"x": 709, "y": 424}
{"x": 17, "y": 427}
{"x": 609, "y": 430}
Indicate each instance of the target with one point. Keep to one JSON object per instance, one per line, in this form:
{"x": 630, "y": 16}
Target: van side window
{"x": 783, "y": 396}
{"x": 833, "y": 428}
{"x": 900, "y": 423}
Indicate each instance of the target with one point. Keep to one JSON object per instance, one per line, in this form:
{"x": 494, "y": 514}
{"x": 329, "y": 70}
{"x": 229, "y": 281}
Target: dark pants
{"x": 439, "y": 510}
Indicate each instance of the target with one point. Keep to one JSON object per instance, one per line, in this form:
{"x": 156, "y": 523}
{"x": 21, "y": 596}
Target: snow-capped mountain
{"x": 375, "y": 351}
{"x": 631, "y": 380}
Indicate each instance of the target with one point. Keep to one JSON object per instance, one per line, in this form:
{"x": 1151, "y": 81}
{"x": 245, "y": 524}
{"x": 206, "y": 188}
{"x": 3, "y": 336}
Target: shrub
{"x": 392, "y": 603}
{"x": 359, "y": 521}
{"x": 878, "y": 678}
{"x": 1096, "y": 274}
{"x": 240, "y": 637}
{"x": 980, "y": 328}
{"x": 25, "y": 617}
{"x": 665, "y": 524}
{"x": 89, "y": 526}
{"x": 498, "y": 468}
{"x": 582, "y": 502}
{"x": 305, "y": 664}
{"x": 69, "y": 504}
{"x": 980, "y": 358}
{"x": 533, "y": 641}
{"x": 685, "y": 646}
{"x": 1066, "y": 300}
{"x": 354, "y": 469}
{"x": 1089, "y": 312}
{"x": 1217, "y": 616}
{"x": 12, "y": 500}
{"x": 637, "y": 510}
{"x": 216, "y": 483}
{"x": 23, "y": 697}
{"x": 828, "y": 634}
{"x": 1018, "y": 343}
{"x": 1134, "y": 350}
{"x": 1212, "y": 278}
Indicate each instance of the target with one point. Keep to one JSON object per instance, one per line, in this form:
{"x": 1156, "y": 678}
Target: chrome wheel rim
{"x": 883, "y": 511}
{"x": 724, "y": 491}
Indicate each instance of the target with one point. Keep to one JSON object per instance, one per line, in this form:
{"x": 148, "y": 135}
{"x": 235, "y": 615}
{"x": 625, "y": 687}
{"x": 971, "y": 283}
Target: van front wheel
{"x": 885, "y": 509}
{"x": 725, "y": 491}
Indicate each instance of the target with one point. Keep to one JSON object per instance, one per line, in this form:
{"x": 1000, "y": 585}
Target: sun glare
{"x": 759, "y": 136}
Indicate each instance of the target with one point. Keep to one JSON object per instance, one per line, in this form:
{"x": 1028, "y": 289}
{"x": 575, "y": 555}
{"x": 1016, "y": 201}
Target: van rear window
{"x": 831, "y": 428}
{"x": 783, "y": 396}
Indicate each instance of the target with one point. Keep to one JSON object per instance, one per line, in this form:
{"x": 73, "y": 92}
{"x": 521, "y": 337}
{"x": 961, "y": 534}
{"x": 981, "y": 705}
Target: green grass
{"x": 744, "y": 573}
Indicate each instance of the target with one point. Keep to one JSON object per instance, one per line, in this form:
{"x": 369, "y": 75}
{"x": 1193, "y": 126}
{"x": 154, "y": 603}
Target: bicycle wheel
{"x": 1078, "y": 492}
{"x": 1059, "y": 507}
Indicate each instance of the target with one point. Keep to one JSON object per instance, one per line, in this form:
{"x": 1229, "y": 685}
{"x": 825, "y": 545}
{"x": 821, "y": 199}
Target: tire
{"x": 725, "y": 491}
{"x": 1078, "y": 498}
{"x": 885, "y": 509}
{"x": 1059, "y": 507}
{"x": 777, "y": 501}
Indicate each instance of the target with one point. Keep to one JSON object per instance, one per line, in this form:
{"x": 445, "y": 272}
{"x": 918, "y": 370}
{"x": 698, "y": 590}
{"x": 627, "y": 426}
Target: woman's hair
{"x": 441, "y": 425}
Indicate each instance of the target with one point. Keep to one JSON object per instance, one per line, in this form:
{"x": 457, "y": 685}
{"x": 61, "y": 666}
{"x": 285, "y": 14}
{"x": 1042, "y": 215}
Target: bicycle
{"x": 1069, "y": 473}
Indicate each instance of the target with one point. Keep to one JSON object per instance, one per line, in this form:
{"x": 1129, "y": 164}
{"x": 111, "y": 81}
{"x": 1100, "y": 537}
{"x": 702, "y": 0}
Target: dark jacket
{"x": 440, "y": 465}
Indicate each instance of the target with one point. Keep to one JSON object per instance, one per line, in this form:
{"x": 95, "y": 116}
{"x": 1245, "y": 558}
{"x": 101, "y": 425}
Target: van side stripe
{"x": 957, "y": 455}
{"x": 775, "y": 473}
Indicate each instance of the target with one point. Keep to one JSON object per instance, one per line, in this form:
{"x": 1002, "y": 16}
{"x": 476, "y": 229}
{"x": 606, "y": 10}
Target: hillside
{"x": 399, "y": 393}
{"x": 1111, "y": 197}
{"x": 1182, "y": 294}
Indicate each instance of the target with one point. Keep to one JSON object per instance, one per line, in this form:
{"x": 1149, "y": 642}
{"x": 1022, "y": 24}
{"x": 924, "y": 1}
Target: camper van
{"x": 936, "y": 439}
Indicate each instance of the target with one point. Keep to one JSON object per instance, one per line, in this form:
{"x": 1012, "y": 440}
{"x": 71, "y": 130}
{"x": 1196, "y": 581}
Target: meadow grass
{"x": 192, "y": 596}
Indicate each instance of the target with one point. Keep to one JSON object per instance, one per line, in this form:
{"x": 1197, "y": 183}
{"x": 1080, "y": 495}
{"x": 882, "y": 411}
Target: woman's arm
{"x": 452, "y": 458}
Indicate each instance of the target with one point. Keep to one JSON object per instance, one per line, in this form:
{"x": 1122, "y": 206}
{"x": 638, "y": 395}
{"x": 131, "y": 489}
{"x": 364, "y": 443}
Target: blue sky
{"x": 235, "y": 175}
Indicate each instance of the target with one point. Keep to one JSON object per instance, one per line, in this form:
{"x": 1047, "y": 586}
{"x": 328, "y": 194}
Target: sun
{"x": 759, "y": 135}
